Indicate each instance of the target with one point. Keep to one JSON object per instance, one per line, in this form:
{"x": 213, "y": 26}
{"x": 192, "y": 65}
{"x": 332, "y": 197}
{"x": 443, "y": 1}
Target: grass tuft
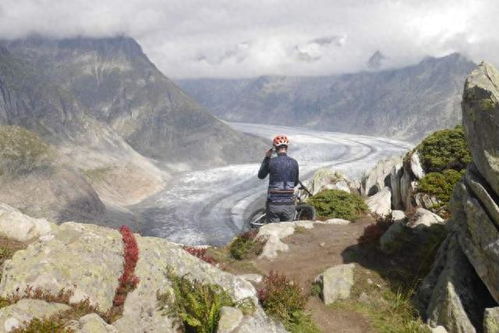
{"x": 246, "y": 245}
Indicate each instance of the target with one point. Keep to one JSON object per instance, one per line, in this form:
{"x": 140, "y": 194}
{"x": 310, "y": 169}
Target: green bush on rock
{"x": 22, "y": 151}
{"x": 445, "y": 149}
{"x": 338, "y": 204}
{"x": 440, "y": 184}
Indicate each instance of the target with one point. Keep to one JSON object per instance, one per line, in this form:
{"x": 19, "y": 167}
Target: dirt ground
{"x": 311, "y": 252}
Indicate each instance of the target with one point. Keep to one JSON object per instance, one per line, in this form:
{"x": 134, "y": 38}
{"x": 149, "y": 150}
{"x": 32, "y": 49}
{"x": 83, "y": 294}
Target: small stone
{"x": 369, "y": 281}
{"x": 254, "y": 278}
{"x": 322, "y": 244}
{"x": 230, "y": 318}
{"x": 335, "y": 222}
{"x": 337, "y": 282}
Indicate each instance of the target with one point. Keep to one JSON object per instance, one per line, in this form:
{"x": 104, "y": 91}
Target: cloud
{"x": 242, "y": 38}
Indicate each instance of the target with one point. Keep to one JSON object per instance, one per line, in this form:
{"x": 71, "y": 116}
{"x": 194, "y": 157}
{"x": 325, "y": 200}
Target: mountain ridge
{"x": 384, "y": 103}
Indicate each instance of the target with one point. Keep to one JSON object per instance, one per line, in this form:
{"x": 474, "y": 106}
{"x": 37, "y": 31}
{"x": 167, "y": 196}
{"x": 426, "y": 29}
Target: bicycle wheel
{"x": 305, "y": 212}
{"x": 257, "y": 218}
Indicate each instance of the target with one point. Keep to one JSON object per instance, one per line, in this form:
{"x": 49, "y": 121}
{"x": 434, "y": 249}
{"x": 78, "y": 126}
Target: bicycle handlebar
{"x": 302, "y": 187}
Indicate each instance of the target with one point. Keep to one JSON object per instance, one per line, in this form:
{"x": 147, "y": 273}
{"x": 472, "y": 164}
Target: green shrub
{"x": 22, "y": 151}
{"x": 246, "y": 245}
{"x": 284, "y": 300}
{"x": 440, "y": 184}
{"x": 445, "y": 149}
{"x": 338, "y": 204}
{"x": 196, "y": 305}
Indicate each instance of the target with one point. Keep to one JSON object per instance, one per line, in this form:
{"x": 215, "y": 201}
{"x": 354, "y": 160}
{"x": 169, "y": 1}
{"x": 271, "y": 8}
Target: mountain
{"x": 119, "y": 128}
{"x": 119, "y": 86}
{"x": 406, "y": 103}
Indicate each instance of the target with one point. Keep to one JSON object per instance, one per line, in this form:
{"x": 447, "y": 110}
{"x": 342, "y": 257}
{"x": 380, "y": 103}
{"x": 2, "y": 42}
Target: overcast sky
{"x": 239, "y": 38}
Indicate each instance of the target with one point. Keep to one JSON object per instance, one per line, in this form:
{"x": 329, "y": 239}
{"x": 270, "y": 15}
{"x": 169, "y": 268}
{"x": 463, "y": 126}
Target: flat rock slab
{"x": 337, "y": 283}
{"x": 13, "y": 316}
{"x": 85, "y": 258}
{"x": 335, "y": 222}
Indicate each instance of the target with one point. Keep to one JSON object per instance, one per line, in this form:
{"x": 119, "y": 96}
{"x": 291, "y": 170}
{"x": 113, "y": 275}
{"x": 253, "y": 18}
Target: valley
{"x": 210, "y": 206}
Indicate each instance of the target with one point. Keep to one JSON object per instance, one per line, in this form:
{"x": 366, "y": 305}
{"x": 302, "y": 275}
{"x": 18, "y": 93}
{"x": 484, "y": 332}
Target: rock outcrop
{"x": 88, "y": 260}
{"x": 327, "y": 179}
{"x": 464, "y": 280}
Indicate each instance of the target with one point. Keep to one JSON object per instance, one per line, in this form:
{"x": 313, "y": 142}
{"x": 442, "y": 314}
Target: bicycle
{"x": 303, "y": 212}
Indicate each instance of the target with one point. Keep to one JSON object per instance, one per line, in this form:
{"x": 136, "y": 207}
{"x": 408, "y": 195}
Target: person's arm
{"x": 264, "y": 168}
{"x": 297, "y": 180}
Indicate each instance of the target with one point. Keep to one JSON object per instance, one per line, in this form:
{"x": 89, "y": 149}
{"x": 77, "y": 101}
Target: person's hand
{"x": 269, "y": 152}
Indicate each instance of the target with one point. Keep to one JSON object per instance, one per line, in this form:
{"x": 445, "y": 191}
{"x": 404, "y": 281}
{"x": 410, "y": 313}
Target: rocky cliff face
{"x": 115, "y": 81}
{"x": 406, "y": 103}
{"x": 464, "y": 282}
{"x": 30, "y": 99}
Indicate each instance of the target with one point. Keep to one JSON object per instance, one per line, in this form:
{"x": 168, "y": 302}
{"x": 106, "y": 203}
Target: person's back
{"x": 283, "y": 174}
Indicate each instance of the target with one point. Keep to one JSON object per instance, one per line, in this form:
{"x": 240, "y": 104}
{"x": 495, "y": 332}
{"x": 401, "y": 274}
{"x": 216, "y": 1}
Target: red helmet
{"x": 280, "y": 140}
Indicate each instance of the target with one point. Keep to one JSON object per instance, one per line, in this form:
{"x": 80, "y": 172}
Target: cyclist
{"x": 283, "y": 174}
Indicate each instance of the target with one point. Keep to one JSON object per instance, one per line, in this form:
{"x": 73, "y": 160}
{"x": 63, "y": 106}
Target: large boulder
{"x": 380, "y": 203}
{"x": 477, "y": 232}
{"x": 420, "y": 230}
{"x": 481, "y": 121}
{"x": 141, "y": 312}
{"x": 452, "y": 295}
{"x": 379, "y": 177}
{"x": 327, "y": 179}
{"x": 88, "y": 260}
{"x": 464, "y": 281}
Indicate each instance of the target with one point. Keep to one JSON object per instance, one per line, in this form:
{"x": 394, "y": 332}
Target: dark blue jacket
{"x": 283, "y": 174}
